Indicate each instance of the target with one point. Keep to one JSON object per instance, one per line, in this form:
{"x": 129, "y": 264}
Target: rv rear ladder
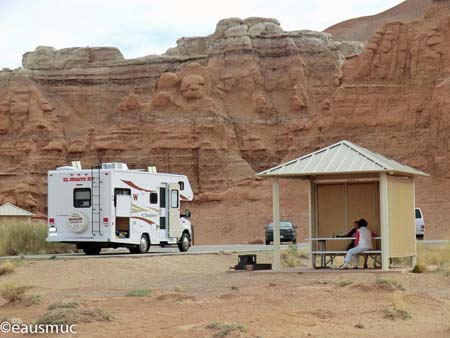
{"x": 96, "y": 200}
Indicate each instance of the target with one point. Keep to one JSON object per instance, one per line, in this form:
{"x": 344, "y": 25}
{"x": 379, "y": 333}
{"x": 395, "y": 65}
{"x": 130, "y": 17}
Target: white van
{"x": 420, "y": 224}
{"x": 112, "y": 206}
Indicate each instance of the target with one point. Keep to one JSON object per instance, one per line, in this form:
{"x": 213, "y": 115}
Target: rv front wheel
{"x": 185, "y": 242}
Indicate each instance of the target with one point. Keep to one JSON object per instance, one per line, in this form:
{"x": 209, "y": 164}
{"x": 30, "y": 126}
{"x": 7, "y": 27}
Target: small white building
{"x": 9, "y": 213}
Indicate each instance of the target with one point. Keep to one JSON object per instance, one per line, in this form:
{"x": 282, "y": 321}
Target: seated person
{"x": 363, "y": 242}
{"x": 351, "y": 233}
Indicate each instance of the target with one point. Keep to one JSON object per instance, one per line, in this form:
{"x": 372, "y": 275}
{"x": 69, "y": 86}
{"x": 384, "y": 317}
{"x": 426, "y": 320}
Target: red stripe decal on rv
{"x": 131, "y": 184}
{"x": 144, "y": 219}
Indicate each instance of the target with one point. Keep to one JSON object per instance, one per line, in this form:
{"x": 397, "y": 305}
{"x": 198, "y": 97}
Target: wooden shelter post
{"x": 384, "y": 220}
{"x": 276, "y": 224}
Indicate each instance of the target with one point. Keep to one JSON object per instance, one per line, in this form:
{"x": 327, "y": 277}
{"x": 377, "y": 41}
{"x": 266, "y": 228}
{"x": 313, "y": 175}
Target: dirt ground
{"x": 195, "y": 296}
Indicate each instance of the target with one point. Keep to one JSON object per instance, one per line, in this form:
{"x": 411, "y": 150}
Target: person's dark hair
{"x": 362, "y": 222}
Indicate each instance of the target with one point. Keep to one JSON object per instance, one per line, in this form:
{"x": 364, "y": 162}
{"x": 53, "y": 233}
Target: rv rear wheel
{"x": 91, "y": 250}
{"x": 185, "y": 242}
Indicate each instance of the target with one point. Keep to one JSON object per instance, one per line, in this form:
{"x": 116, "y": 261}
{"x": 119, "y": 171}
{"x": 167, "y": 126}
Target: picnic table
{"x": 327, "y": 256}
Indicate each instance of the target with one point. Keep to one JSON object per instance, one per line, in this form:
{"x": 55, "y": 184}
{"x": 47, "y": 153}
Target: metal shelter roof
{"x": 343, "y": 157}
{"x": 9, "y": 209}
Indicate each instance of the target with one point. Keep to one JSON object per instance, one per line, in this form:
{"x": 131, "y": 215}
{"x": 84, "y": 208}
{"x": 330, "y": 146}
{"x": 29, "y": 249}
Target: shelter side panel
{"x": 364, "y": 202}
{"x": 331, "y": 212}
{"x": 401, "y": 216}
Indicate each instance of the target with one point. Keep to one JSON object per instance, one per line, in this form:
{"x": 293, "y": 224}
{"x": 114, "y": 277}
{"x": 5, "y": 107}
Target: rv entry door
{"x": 123, "y": 206}
{"x": 175, "y": 229}
{"x": 123, "y": 212}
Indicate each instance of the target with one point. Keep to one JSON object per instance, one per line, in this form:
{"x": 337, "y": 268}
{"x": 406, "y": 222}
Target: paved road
{"x": 435, "y": 241}
{"x": 167, "y": 251}
{"x": 195, "y": 250}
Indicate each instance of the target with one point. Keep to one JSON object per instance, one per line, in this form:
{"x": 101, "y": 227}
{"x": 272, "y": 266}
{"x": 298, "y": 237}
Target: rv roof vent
{"x": 66, "y": 167}
{"x": 115, "y": 166}
{"x": 151, "y": 170}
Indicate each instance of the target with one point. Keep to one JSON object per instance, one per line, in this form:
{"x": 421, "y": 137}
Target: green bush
{"x": 28, "y": 238}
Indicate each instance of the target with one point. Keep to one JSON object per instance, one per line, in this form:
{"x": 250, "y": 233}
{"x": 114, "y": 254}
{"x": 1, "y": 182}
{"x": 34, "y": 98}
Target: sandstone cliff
{"x": 223, "y": 107}
{"x": 215, "y": 108}
{"x": 361, "y": 29}
{"x": 394, "y": 99}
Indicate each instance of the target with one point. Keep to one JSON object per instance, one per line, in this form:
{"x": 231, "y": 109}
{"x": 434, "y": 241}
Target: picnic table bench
{"x": 328, "y": 256}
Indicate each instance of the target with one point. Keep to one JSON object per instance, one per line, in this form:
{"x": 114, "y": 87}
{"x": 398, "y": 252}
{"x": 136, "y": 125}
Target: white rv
{"x": 112, "y": 206}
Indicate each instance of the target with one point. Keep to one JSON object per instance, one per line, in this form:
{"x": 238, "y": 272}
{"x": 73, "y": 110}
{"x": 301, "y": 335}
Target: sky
{"x": 144, "y": 27}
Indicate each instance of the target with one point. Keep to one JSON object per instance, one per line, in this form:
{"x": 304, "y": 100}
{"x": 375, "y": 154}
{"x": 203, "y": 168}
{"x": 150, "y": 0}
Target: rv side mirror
{"x": 187, "y": 214}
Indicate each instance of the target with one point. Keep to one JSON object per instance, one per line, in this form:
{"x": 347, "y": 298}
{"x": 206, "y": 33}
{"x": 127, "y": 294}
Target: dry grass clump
{"x": 175, "y": 297}
{"x": 28, "y": 238}
{"x": 344, "y": 282}
{"x": 13, "y": 293}
{"x": 389, "y": 284}
{"x": 223, "y": 329}
{"x": 61, "y": 313}
{"x": 63, "y": 305}
{"x": 29, "y": 300}
{"x": 293, "y": 257}
{"x": 419, "y": 268}
{"x": 397, "y": 309}
{"x": 138, "y": 293}
{"x": 6, "y": 268}
{"x": 434, "y": 256}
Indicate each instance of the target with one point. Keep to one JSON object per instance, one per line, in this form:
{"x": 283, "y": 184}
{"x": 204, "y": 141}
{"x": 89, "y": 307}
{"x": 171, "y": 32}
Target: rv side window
{"x": 82, "y": 198}
{"x": 153, "y": 198}
{"x": 162, "y": 197}
{"x": 120, "y": 191}
{"x": 174, "y": 199}
{"x": 181, "y": 183}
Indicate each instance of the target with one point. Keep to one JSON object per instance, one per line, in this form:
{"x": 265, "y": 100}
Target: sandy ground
{"x": 268, "y": 304}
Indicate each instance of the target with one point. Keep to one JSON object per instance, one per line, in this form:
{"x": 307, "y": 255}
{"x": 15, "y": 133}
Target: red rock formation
{"x": 223, "y": 107}
{"x": 361, "y": 29}
{"x": 215, "y": 108}
{"x": 394, "y": 99}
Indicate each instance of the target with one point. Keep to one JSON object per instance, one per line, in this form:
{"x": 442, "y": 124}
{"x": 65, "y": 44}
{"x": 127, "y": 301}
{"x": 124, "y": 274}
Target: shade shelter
{"x": 348, "y": 182}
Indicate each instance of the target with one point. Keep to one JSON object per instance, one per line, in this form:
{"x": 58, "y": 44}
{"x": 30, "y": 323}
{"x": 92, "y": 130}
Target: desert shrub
{"x": 419, "y": 268}
{"x": 394, "y": 313}
{"x": 397, "y": 309}
{"x": 433, "y": 255}
{"x": 69, "y": 316}
{"x": 29, "y": 300}
{"x": 175, "y": 297}
{"x": 293, "y": 256}
{"x": 138, "y": 293}
{"x": 13, "y": 293}
{"x": 28, "y": 238}
{"x": 6, "y": 267}
{"x": 63, "y": 305}
{"x": 223, "y": 329}
{"x": 391, "y": 283}
{"x": 345, "y": 282}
